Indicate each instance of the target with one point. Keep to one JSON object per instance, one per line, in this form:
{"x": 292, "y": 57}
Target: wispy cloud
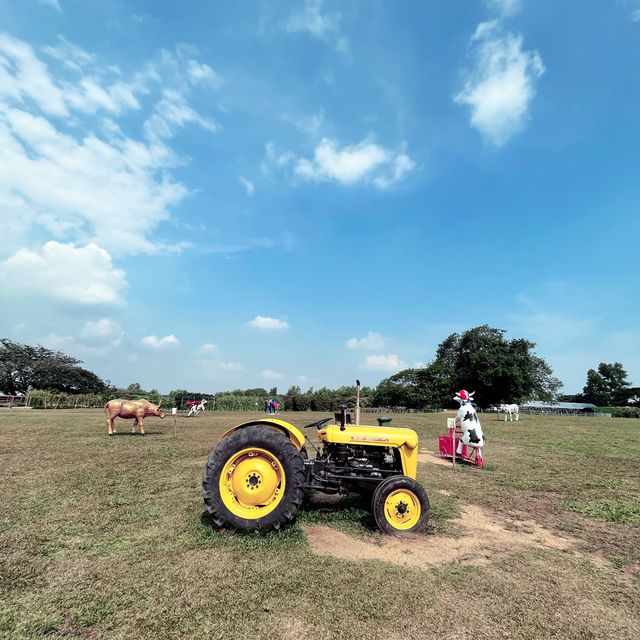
{"x": 101, "y": 331}
{"x": 160, "y": 343}
{"x": 122, "y": 186}
{"x": 82, "y": 276}
{"x": 70, "y": 55}
{"x": 505, "y": 7}
{"x": 311, "y": 20}
{"x": 502, "y": 85}
{"x": 372, "y": 340}
{"x": 269, "y": 374}
{"x": 54, "y": 4}
{"x": 208, "y": 347}
{"x": 389, "y": 362}
{"x": 265, "y": 323}
{"x": 249, "y": 187}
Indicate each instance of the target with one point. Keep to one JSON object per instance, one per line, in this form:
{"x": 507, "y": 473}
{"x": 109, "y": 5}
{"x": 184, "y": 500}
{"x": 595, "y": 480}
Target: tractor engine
{"x": 355, "y": 467}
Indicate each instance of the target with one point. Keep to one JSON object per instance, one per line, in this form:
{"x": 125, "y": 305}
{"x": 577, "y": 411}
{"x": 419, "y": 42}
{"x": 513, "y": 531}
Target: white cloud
{"x": 200, "y": 73}
{"x": 372, "y": 340}
{"x": 505, "y": 7}
{"x": 365, "y": 161}
{"x": 122, "y": 186}
{"x": 208, "y": 347}
{"x": 500, "y": 89}
{"x": 269, "y": 374}
{"x": 249, "y": 187}
{"x": 159, "y": 343}
{"x": 390, "y": 362}
{"x": 54, "y": 340}
{"x": 310, "y": 20}
{"x": 102, "y": 331}
{"x": 65, "y": 273}
{"x": 419, "y": 365}
{"x": 268, "y": 324}
{"x": 23, "y": 75}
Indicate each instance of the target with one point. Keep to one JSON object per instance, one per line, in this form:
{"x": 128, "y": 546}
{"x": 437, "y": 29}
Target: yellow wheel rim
{"x": 402, "y": 509}
{"x": 252, "y": 483}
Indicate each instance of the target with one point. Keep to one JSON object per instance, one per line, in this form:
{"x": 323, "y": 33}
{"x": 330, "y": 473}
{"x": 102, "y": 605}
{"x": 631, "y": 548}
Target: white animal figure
{"x": 510, "y": 410}
{"x": 197, "y": 408}
{"x": 467, "y": 418}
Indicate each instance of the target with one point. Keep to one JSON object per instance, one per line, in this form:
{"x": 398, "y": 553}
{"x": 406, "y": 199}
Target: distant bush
{"x": 620, "y": 412}
{"x": 301, "y": 403}
{"x": 321, "y": 402}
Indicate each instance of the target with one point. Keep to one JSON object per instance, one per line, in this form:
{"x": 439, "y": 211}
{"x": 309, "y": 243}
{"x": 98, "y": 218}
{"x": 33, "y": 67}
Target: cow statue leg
{"x": 134, "y": 425}
{"x": 111, "y": 429}
{"x": 141, "y": 426}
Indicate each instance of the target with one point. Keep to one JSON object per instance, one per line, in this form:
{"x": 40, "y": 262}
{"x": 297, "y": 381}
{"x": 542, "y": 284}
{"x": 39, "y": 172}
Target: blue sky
{"x": 211, "y": 195}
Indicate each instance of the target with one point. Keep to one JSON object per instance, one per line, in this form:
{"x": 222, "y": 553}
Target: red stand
{"x": 447, "y": 448}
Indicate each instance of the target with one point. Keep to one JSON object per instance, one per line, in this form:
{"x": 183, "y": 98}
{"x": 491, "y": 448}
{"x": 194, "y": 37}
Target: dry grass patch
{"x": 103, "y": 538}
{"x": 482, "y": 537}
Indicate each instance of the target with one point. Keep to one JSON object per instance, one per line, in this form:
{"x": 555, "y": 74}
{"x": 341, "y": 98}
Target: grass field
{"x": 103, "y": 538}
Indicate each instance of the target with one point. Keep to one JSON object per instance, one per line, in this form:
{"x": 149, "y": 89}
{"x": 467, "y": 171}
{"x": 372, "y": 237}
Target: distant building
{"x": 537, "y": 406}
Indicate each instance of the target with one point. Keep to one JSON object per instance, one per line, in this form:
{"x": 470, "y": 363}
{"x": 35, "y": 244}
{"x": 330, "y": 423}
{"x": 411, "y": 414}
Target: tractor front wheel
{"x": 253, "y": 479}
{"x": 400, "y": 506}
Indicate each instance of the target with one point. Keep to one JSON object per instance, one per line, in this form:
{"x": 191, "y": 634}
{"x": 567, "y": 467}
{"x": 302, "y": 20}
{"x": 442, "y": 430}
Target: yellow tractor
{"x": 257, "y": 475}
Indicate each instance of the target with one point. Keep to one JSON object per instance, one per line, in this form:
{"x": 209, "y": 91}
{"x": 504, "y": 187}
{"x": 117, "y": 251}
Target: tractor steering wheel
{"x": 317, "y": 424}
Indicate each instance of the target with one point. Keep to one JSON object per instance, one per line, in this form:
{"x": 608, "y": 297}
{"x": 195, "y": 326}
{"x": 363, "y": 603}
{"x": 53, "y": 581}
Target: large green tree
{"x": 608, "y": 386}
{"x": 481, "y": 360}
{"x": 23, "y": 366}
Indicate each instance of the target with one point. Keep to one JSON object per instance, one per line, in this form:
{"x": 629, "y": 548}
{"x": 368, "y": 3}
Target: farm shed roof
{"x": 537, "y": 404}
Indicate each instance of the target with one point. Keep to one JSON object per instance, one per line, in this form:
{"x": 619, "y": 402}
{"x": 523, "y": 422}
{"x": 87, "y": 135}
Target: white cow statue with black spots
{"x": 467, "y": 419}
{"x": 197, "y": 408}
{"x": 510, "y": 410}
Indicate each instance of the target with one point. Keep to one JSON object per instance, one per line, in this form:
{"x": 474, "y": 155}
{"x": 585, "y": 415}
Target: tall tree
{"x": 480, "y": 360}
{"x": 23, "y": 366}
{"x": 499, "y": 370}
{"x": 608, "y": 386}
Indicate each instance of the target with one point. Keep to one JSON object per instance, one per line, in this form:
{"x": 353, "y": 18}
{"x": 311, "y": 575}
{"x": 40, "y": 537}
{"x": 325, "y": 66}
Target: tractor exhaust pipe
{"x": 343, "y": 416}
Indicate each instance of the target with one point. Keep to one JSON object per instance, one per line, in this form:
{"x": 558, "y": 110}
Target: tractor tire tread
{"x": 380, "y": 495}
{"x": 291, "y": 460}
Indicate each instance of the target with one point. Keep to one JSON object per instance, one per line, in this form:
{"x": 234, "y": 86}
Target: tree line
{"x": 499, "y": 370}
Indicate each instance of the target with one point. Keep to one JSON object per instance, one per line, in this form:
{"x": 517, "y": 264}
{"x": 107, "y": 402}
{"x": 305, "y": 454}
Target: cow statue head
{"x": 463, "y": 396}
{"x": 157, "y": 410}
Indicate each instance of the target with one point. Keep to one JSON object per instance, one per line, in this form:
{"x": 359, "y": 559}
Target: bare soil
{"x": 483, "y": 536}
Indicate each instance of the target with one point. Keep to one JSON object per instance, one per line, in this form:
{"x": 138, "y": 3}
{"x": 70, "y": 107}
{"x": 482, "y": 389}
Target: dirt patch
{"x": 434, "y": 458}
{"x": 484, "y": 535}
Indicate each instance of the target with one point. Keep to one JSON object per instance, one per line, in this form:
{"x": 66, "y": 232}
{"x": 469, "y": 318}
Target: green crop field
{"x": 104, "y": 538}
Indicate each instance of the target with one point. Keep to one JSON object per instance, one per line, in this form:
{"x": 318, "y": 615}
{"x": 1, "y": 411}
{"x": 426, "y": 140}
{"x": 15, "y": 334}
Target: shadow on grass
{"x": 129, "y": 433}
{"x": 349, "y": 514}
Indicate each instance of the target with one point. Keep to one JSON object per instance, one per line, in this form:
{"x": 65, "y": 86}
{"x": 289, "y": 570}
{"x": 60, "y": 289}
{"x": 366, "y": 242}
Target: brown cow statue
{"x": 136, "y": 409}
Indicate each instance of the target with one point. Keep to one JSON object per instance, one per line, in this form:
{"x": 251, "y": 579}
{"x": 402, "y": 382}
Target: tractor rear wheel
{"x": 400, "y": 506}
{"x": 253, "y": 479}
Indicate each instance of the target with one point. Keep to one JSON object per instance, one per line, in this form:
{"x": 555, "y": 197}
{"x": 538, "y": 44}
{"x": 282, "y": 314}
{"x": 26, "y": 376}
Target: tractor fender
{"x": 293, "y": 433}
